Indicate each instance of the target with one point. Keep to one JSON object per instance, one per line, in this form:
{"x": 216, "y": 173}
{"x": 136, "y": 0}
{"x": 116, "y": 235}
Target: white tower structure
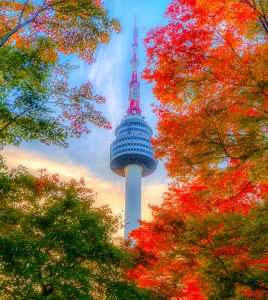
{"x": 131, "y": 153}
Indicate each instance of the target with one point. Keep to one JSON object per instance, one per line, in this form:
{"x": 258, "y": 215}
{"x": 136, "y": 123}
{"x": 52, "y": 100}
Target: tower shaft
{"x": 133, "y": 175}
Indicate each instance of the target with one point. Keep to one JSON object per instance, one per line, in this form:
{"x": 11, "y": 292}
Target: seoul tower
{"x": 131, "y": 154}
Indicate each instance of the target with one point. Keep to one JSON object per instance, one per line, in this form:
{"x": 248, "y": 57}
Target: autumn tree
{"x": 208, "y": 239}
{"x": 192, "y": 251}
{"x": 195, "y": 249}
{"x": 209, "y": 67}
{"x": 55, "y": 244}
{"x": 37, "y": 101}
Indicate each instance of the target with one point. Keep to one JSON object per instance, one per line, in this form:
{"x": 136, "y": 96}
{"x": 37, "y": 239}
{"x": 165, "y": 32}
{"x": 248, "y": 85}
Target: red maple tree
{"x": 209, "y": 68}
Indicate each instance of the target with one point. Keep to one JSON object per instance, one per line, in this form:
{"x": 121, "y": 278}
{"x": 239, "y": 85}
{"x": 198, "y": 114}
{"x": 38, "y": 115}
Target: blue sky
{"x": 89, "y": 156}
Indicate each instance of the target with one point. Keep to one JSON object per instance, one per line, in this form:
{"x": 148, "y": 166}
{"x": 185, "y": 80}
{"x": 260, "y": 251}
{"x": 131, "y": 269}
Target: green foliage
{"x": 55, "y": 244}
{"x": 234, "y": 256}
{"x": 36, "y": 101}
{"x": 124, "y": 290}
{"x": 24, "y": 90}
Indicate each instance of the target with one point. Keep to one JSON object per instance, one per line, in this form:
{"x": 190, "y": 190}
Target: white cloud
{"x": 151, "y": 194}
{"x": 106, "y": 75}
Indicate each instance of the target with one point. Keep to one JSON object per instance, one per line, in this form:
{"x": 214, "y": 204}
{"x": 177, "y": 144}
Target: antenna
{"x": 134, "y": 85}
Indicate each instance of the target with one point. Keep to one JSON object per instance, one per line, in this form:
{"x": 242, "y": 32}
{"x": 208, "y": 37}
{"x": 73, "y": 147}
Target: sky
{"x": 88, "y": 156}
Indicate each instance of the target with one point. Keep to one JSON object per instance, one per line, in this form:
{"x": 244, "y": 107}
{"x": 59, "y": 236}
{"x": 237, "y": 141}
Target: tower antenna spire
{"x": 134, "y": 85}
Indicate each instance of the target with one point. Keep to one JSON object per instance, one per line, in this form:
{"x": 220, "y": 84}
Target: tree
{"x": 208, "y": 239}
{"x": 195, "y": 249}
{"x": 72, "y": 27}
{"x": 209, "y": 66}
{"x": 36, "y": 99}
{"x": 55, "y": 244}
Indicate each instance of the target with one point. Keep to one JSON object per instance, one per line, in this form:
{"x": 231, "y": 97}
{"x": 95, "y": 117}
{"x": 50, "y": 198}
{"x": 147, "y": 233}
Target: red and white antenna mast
{"x": 134, "y": 85}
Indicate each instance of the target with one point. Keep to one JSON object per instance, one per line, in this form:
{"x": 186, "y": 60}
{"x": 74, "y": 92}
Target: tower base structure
{"x": 133, "y": 174}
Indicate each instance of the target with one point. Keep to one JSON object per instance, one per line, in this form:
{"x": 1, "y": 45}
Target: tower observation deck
{"x": 131, "y": 153}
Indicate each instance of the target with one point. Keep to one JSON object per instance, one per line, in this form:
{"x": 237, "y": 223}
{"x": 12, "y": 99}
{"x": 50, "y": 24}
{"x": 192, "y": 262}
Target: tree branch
{"x": 16, "y": 117}
{"x": 22, "y": 11}
{"x": 19, "y": 26}
{"x": 43, "y": 7}
{"x": 219, "y": 259}
{"x": 222, "y": 145}
{"x": 261, "y": 16}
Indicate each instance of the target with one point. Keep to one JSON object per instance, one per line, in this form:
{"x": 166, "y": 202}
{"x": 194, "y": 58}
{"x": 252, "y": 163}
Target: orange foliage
{"x": 209, "y": 66}
{"x": 210, "y": 75}
{"x": 73, "y": 28}
{"x": 194, "y": 240}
